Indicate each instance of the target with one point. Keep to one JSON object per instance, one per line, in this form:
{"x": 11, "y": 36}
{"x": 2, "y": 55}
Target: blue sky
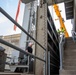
{"x": 10, "y": 6}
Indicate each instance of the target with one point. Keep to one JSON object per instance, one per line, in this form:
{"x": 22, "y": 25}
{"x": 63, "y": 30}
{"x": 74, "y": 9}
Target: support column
{"x": 41, "y": 38}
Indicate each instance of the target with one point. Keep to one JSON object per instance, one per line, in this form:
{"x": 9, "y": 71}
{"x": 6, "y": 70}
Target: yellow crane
{"x": 62, "y": 26}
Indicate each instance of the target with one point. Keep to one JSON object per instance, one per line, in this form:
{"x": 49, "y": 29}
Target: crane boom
{"x": 56, "y": 8}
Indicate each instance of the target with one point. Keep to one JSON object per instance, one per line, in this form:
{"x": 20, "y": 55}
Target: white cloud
{"x": 3, "y": 19}
{"x": 11, "y": 31}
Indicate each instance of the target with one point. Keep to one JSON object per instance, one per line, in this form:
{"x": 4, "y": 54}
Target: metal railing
{"x": 17, "y": 48}
{"x": 61, "y": 49}
{"x": 73, "y": 35}
{"x": 21, "y": 50}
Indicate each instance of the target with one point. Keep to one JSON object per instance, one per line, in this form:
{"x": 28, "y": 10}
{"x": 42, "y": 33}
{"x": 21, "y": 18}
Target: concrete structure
{"x": 48, "y": 38}
{"x": 2, "y": 59}
{"x": 14, "y": 39}
{"x": 69, "y": 58}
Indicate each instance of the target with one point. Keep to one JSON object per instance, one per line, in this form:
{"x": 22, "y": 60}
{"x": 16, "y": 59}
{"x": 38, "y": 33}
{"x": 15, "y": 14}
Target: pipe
{"x": 19, "y": 49}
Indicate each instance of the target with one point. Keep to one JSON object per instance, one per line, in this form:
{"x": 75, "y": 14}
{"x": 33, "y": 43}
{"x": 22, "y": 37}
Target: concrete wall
{"x": 2, "y": 61}
{"x": 13, "y": 39}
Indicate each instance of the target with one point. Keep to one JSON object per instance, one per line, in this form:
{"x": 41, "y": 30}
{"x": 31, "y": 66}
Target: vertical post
{"x": 46, "y": 37}
{"x": 46, "y": 62}
{"x": 44, "y": 65}
{"x": 60, "y": 49}
{"x": 41, "y": 36}
{"x": 28, "y": 63}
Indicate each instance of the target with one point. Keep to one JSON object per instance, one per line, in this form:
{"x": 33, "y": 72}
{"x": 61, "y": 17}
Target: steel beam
{"x": 41, "y": 31}
{"x": 52, "y": 38}
{"x": 67, "y": 1}
{"x": 52, "y": 49}
{"x": 69, "y": 7}
{"x": 27, "y": 1}
{"x": 52, "y": 28}
{"x": 50, "y": 2}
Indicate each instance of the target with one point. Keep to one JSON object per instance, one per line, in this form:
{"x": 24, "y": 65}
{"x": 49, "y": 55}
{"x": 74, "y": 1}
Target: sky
{"x": 10, "y": 6}
{"x": 67, "y": 23}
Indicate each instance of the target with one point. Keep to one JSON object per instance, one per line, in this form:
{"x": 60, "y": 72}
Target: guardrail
{"x": 61, "y": 48}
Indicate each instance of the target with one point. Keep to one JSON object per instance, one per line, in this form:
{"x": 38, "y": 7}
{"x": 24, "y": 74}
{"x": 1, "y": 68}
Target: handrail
{"x": 12, "y": 20}
{"x": 19, "y": 49}
{"x": 74, "y": 35}
{"x": 62, "y": 40}
{"x": 61, "y": 48}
